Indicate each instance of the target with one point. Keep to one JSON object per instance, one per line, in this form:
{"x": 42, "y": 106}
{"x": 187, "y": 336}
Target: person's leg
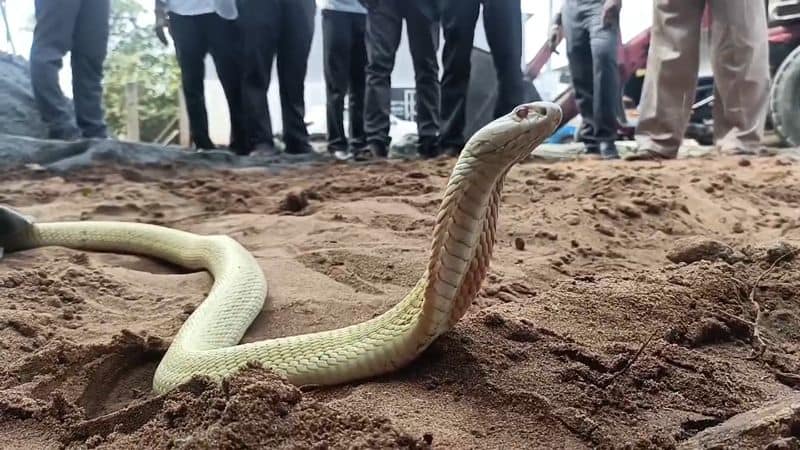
{"x": 336, "y": 45}
{"x": 224, "y": 46}
{"x": 297, "y": 32}
{"x": 576, "y": 23}
{"x": 740, "y": 63}
{"x": 607, "y": 92}
{"x": 89, "y": 49}
{"x": 258, "y": 26}
{"x": 358, "y": 67}
{"x": 189, "y": 34}
{"x": 52, "y": 39}
{"x": 502, "y": 20}
{"x": 458, "y": 26}
{"x": 384, "y": 27}
{"x": 671, "y": 80}
{"x": 423, "y": 41}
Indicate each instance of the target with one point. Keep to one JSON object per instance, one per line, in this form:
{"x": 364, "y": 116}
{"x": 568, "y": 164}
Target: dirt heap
{"x": 628, "y": 306}
{"x": 253, "y": 408}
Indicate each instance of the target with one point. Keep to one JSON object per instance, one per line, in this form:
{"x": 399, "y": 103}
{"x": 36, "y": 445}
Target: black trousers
{"x": 81, "y": 28}
{"x": 282, "y": 30}
{"x": 345, "y": 61}
{"x": 592, "y": 54}
{"x": 196, "y": 36}
{"x": 384, "y": 27}
{"x": 502, "y": 21}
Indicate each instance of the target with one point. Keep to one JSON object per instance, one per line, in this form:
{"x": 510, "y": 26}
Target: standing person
{"x": 740, "y": 63}
{"x": 200, "y": 27}
{"x": 502, "y": 21}
{"x": 384, "y": 27}
{"x": 282, "y": 30}
{"x": 345, "y": 60}
{"x": 81, "y": 28}
{"x": 592, "y": 31}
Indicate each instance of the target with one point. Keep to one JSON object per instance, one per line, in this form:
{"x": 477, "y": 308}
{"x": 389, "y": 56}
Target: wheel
{"x": 784, "y": 99}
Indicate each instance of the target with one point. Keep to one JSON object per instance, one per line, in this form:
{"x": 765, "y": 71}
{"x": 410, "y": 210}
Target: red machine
{"x": 784, "y": 45}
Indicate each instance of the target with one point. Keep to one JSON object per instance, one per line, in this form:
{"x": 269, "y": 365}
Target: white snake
{"x": 208, "y": 342}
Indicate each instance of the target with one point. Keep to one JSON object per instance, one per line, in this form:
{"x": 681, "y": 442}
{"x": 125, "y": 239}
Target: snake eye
{"x": 522, "y": 112}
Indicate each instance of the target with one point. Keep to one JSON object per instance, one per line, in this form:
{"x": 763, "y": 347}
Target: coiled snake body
{"x": 208, "y": 341}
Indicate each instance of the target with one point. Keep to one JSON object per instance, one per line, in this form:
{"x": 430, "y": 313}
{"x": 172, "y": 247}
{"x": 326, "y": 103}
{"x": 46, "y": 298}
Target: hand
{"x": 611, "y": 11}
{"x": 162, "y": 21}
{"x": 556, "y": 35}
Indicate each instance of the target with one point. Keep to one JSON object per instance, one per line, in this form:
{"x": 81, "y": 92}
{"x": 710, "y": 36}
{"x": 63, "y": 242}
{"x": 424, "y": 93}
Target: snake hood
{"x": 464, "y": 234}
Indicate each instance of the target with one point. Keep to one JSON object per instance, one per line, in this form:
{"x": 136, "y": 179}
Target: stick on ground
{"x": 761, "y": 346}
{"x": 610, "y": 380}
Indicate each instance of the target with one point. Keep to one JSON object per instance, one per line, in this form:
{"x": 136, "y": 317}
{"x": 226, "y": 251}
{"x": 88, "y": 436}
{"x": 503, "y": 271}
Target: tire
{"x": 784, "y": 99}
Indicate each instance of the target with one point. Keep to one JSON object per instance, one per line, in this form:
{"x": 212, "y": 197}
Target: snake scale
{"x": 208, "y": 341}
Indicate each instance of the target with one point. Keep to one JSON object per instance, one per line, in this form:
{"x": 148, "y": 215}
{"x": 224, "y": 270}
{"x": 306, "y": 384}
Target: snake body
{"x": 208, "y": 341}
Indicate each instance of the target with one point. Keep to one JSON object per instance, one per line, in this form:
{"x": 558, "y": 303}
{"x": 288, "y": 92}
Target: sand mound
{"x": 253, "y": 409}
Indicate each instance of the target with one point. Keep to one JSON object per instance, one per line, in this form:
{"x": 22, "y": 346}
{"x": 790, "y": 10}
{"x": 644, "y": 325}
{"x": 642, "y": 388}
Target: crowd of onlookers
{"x": 245, "y": 37}
{"x": 360, "y": 41}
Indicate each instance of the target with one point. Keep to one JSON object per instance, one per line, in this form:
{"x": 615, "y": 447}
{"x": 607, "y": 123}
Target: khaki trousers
{"x": 740, "y": 64}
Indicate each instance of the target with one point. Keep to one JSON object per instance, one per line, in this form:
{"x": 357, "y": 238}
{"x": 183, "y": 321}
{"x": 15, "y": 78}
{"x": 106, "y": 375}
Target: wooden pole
{"x": 132, "y": 110}
{"x": 183, "y": 120}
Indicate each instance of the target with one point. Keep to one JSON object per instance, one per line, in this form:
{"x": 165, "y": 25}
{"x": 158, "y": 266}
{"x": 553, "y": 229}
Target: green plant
{"x": 136, "y": 56}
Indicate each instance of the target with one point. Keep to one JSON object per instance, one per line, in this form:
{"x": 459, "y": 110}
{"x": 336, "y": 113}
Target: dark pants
{"x": 282, "y": 28}
{"x": 196, "y": 36}
{"x": 81, "y": 28}
{"x": 345, "y": 58}
{"x": 502, "y": 21}
{"x": 384, "y": 27}
{"x": 592, "y": 53}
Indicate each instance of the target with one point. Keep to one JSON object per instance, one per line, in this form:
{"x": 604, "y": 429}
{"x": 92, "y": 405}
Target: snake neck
{"x": 463, "y": 239}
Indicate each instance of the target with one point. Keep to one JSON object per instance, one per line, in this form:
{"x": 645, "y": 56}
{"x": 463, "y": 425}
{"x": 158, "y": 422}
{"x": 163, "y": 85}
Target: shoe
{"x": 428, "y": 152}
{"x": 737, "y": 151}
{"x": 341, "y": 155}
{"x": 647, "y": 154}
{"x": 371, "y": 151}
{"x": 591, "y": 149}
{"x": 264, "y": 150}
{"x": 608, "y": 150}
{"x": 452, "y": 151}
{"x": 301, "y": 149}
{"x": 427, "y": 148}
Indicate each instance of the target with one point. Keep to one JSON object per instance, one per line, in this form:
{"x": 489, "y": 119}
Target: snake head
{"x": 14, "y": 226}
{"x": 513, "y": 137}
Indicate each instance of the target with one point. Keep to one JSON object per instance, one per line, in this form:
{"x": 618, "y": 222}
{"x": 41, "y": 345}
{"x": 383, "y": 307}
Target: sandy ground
{"x": 620, "y": 323}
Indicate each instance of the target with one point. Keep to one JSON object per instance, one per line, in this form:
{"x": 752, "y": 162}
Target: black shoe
{"x": 427, "y": 148}
{"x": 608, "y": 150}
{"x": 301, "y": 149}
{"x": 264, "y": 149}
{"x": 592, "y": 149}
{"x": 429, "y": 152}
{"x": 205, "y": 146}
{"x": 371, "y": 151}
{"x": 452, "y": 151}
